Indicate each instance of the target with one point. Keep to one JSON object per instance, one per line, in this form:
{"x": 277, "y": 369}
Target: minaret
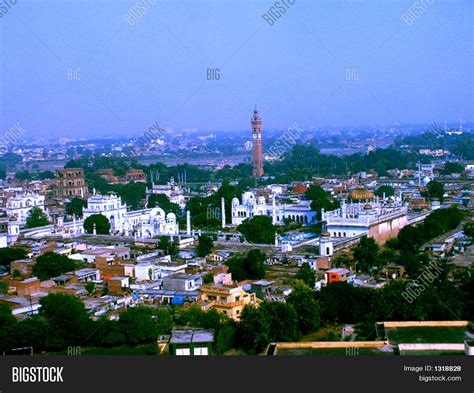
{"x": 257, "y": 144}
{"x": 188, "y": 223}
{"x": 274, "y": 219}
{"x": 223, "y": 212}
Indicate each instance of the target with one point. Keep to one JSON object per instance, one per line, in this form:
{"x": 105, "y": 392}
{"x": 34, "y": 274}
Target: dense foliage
{"x": 247, "y": 266}
{"x": 258, "y": 229}
{"x": 102, "y": 224}
{"x": 10, "y": 254}
{"x": 51, "y": 264}
{"x": 36, "y": 218}
{"x": 204, "y": 246}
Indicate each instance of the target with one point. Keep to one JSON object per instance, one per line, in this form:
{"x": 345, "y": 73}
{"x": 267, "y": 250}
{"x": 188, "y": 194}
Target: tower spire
{"x": 257, "y": 124}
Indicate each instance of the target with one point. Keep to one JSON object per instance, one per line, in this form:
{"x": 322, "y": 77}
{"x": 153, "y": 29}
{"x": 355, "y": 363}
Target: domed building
{"x": 360, "y": 194}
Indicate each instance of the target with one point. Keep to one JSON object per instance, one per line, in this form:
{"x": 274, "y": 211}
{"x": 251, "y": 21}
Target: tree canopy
{"x": 306, "y": 274}
{"x": 258, "y": 229}
{"x": 51, "y": 264}
{"x": 10, "y": 254}
{"x": 36, "y": 218}
{"x": 247, "y": 266}
{"x": 75, "y": 207}
{"x": 205, "y": 245}
{"x": 387, "y": 190}
{"x": 102, "y": 224}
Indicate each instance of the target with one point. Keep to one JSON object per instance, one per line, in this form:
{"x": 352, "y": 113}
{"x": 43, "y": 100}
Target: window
{"x": 202, "y": 351}
{"x": 183, "y": 352}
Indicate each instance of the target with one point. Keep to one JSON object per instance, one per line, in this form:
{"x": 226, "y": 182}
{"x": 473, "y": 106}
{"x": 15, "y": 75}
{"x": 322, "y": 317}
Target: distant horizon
{"x": 468, "y": 126}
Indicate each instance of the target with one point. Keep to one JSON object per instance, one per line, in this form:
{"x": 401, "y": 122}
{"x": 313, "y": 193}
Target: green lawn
{"x": 115, "y": 351}
{"x": 409, "y": 335}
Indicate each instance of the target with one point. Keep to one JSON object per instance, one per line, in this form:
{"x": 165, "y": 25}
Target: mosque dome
{"x": 360, "y": 194}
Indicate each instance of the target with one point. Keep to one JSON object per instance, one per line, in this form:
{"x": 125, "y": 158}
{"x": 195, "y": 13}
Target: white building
{"x": 380, "y": 220}
{"x": 21, "y": 203}
{"x": 252, "y": 206}
{"x": 172, "y": 190}
{"x": 142, "y": 223}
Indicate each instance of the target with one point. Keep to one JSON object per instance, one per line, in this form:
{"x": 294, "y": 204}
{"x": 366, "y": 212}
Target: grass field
{"x": 142, "y": 350}
{"x": 432, "y": 335}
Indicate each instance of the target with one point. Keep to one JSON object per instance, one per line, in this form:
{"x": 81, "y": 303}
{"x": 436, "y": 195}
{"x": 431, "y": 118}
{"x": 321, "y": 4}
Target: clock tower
{"x": 257, "y": 144}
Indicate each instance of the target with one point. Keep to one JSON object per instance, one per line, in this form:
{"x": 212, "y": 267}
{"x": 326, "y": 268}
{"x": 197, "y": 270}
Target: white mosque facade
{"x": 251, "y": 206}
{"x": 142, "y": 223}
{"x": 20, "y": 204}
{"x": 376, "y": 218}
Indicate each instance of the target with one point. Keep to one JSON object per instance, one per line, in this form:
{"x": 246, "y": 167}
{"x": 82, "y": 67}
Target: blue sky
{"x": 130, "y": 76}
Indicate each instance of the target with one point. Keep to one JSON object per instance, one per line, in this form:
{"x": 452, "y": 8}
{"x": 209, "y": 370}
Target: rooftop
{"x": 188, "y": 335}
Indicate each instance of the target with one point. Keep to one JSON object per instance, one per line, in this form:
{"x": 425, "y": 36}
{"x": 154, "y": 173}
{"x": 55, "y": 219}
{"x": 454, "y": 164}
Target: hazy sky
{"x": 78, "y": 68}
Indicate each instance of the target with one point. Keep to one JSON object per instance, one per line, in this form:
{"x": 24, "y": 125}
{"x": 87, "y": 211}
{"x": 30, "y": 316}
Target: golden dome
{"x": 326, "y": 234}
{"x": 360, "y": 194}
{"x": 367, "y": 207}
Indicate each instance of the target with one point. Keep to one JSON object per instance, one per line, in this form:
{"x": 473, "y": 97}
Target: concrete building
{"x": 380, "y": 220}
{"x": 182, "y": 282}
{"x": 191, "y": 342}
{"x": 251, "y": 206}
{"x": 70, "y": 183}
{"x": 142, "y": 223}
{"x": 225, "y": 296}
{"x": 20, "y": 204}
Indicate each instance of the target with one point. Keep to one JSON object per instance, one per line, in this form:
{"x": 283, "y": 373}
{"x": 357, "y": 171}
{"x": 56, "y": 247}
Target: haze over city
{"x": 82, "y": 70}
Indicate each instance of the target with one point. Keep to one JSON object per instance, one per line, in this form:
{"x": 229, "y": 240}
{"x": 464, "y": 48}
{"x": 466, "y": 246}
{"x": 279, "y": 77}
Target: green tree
{"x": 46, "y": 175}
{"x": 435, "y": 190}
{"x": 168, "y": 246}
{"x": 320, "y": 199}
{"x": 258, "y": 229}
{"x": 225, "y": 338}
{"x": 468, "y": 229}
{"x": 208, "y": 278}
{"x": 282, "y": 320}
{"x": 303, "y": 300}
{"x": 366, "y": 254}
{"x": 162, "y": 200}
{"x": 387, "y": 190}
{"x": 90, "y": 288}
{"x": 138, "y": 325}
{"x": 8, "y": 323}
{"x": 23, "y": 175}
{"x": 36, "y": 218}
{"x": 10, "y": 254}
{"x": 247, "y": 266}
{"x": 453, "y": 167}
{"x": 67, "y": 318}
{"x": 133, "y": 194}
{"x": 51, "y": 264}
{"x": 102, "y": 224}
{"x": 306, "y": 274}
{"x": 253, "y": 333}
{"x": 4, "y": 287}
{"x": 75, "y": 207}
{"x": 205, "y": 245}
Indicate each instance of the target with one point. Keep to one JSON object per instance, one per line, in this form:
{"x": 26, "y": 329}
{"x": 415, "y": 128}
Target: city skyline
{"x": 335, "y": 64}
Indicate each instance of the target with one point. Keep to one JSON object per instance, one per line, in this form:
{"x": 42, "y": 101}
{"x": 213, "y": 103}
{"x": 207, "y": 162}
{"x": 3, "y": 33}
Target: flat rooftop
{"x": 186, "y": 336}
